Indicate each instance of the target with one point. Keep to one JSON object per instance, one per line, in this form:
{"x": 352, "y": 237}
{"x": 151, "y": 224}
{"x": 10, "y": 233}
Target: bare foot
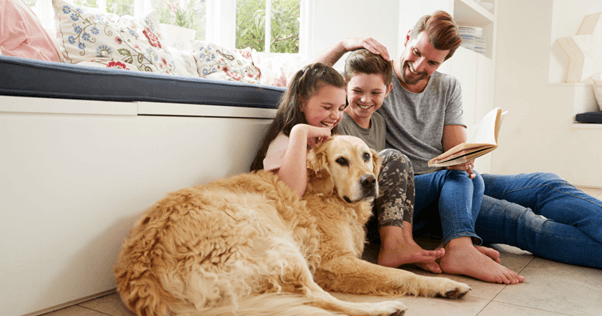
{"x": 462, "y": 257}
{"x": 489, "y": 252}
{"x": 430, "y": 267}
{"x": 397, "y": 249}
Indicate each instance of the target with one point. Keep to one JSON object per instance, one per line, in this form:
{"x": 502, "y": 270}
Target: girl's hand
{"x": 316, "y": 135}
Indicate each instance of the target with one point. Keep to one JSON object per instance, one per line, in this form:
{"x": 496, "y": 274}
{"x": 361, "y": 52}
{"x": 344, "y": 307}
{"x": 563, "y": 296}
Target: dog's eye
{"x": 342, "y": 161}
{"x": 366, "y": 157}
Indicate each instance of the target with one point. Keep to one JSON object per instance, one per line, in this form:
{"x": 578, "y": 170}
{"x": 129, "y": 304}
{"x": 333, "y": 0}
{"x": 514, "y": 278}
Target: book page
{"x": 486, "y": 131}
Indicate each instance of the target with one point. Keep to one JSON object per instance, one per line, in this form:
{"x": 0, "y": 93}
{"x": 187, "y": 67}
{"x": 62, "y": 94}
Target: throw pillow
{"x": 90, "y": 35}
{"x": 22, "y": 34}
{"x": 216, "y": 62}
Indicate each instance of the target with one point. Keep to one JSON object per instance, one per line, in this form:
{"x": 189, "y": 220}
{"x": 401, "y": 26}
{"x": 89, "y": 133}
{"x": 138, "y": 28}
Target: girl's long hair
{"x": 303, "y": 86}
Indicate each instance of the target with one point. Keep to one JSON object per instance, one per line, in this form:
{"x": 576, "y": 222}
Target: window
{"x": 276, "y": 30}
{"x": 268, "y": 30}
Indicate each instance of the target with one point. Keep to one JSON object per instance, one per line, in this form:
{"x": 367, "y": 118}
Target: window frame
{"x": 220, "y": 19}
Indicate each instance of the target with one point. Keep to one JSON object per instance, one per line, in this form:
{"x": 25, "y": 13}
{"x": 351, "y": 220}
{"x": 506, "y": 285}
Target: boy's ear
{"x": 389, "y": 89}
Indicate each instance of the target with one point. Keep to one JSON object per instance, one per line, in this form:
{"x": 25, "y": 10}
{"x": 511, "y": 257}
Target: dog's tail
{"x": 271, "y": 304}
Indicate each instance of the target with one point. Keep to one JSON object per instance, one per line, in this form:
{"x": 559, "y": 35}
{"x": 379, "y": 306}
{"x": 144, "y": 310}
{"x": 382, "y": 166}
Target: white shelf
{"x": 468, "y": 12}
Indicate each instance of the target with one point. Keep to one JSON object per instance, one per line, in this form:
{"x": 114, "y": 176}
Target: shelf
{"x": 468, "y": 12}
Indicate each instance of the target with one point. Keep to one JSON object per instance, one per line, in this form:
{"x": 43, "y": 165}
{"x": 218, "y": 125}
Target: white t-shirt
{"x": 275, "y": 154}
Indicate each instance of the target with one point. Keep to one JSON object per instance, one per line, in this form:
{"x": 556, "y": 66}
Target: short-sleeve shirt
{"x": 373, "y": 136}
{"x": 275, "y": 154}
{"x": 415, "y": 121}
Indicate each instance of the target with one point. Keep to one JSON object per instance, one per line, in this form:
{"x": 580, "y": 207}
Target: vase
{"x": 176, "y": 36}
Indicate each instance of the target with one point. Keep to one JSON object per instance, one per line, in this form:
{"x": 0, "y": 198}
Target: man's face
{"x": 420, "y": 59}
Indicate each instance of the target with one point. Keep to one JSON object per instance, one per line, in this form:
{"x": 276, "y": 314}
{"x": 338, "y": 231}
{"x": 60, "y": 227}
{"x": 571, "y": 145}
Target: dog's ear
{"x": 319, "y": 178}
{"x": 376, "y": 161}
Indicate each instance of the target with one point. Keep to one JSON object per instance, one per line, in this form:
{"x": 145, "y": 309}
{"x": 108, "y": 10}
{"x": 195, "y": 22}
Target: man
{"x": 423, "y": 117}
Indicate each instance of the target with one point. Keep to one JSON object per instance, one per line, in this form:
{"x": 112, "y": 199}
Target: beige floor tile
{"x": 516, "y": 260}
{"x": 597, "y": 193}
{"x": 503, "y": 309}
{"x": 74, "y": 311}
{"x": 110, "y": 304}
{"x": 466, "y": 306}
{"x": 557, "y": 287}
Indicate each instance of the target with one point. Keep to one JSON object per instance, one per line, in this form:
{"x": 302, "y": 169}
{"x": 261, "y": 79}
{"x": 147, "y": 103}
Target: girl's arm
{"x": 293, "y": 170}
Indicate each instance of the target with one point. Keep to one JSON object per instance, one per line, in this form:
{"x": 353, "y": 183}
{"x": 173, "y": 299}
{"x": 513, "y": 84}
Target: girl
{"x": 308, "y": 114}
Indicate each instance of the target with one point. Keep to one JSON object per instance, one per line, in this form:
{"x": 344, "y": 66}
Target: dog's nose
{"x": 367, "y": 181}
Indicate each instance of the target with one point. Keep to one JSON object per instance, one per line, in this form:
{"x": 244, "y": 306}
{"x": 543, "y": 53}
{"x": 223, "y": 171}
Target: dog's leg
{"x": 349, "y": 274}
{"x": 298, "y": 274}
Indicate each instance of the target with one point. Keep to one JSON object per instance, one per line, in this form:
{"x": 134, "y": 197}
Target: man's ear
{"x": 407, "y": 38}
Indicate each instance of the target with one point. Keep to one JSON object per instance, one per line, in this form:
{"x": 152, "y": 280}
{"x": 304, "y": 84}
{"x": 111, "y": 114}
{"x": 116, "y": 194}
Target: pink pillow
{"x": 22, "y": 34}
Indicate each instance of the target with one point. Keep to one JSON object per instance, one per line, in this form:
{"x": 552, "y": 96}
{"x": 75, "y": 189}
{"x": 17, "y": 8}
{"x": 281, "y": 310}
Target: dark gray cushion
{"x": 36, "y": 78}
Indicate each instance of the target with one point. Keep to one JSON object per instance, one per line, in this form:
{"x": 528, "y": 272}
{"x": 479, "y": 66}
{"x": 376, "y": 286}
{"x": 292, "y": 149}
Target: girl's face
{"x": 366, "y": 93}
{"x": 325, "y": 107}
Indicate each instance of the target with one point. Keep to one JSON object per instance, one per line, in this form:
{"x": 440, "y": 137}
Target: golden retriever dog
{"x": 249, "y": 245}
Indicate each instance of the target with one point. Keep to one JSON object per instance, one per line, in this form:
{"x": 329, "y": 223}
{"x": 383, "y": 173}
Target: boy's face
{"x": 366, "y": 93}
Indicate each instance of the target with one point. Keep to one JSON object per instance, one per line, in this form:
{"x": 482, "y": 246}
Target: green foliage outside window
{"x": 189, "y": 14}
{"x": 250, "y": 25}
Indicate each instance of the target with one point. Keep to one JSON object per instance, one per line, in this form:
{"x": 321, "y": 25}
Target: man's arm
{"x": 452, "y": 136}
{"x": 334, "y": 53}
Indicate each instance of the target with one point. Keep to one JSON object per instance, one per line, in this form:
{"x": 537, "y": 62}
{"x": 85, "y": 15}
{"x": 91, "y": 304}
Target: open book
{"x": 482, "y": 139}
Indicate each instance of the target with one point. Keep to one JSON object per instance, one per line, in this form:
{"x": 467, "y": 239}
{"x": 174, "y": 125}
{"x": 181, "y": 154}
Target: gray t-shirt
{"x": 414, "y": 121}
{"x": 374, "y": 136}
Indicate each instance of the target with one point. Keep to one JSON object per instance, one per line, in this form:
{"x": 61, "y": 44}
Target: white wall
{"x": 335, "y": 20}
{"x": 538, "y": 132}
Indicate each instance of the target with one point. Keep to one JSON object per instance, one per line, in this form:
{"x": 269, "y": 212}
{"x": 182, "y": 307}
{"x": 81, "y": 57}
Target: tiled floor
{"x": 550, "y": 289}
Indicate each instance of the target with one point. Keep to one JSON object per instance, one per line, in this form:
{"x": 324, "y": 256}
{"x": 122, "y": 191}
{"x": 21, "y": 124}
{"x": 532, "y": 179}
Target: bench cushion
{"x": 36, "y": 78}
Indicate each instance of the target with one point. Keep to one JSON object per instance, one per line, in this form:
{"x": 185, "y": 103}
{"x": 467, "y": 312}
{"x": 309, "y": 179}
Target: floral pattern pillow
{"x": 92, "y": 36}
{"x": 216, "y": 62}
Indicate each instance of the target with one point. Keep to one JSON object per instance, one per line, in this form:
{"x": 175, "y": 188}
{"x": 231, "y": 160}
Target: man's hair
{"x": 363, "y": 61}
{"x": 442, "y": 30}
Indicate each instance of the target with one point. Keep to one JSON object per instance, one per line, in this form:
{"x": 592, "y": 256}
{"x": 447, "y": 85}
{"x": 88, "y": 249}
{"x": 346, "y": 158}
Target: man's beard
{"x": 415, "y": 77}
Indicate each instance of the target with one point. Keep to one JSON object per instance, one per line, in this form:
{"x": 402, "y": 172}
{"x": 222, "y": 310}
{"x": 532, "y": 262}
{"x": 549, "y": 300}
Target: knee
{"x": 478, "y": 183}
{"x": 548, "y": 178}
{"x": 393, "y": 157}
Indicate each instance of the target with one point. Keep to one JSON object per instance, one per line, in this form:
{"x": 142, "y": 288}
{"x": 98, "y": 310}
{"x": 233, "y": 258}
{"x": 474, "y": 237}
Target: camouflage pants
{"x": 395, "y": 203}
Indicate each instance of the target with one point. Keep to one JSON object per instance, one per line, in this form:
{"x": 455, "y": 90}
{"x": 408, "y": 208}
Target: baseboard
{"x": 71, "y": 303}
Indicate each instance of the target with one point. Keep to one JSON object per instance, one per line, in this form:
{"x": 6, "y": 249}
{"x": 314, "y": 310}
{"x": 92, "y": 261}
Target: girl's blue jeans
{"x": 452, "y": 197}
{"x": 543, "y": 214}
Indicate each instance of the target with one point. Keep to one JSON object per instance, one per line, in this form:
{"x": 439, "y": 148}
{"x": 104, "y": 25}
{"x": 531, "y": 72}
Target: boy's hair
{"x": 363, "y": 61}
{"x": 303, "y": 86}
{"x": 442, "y": 30}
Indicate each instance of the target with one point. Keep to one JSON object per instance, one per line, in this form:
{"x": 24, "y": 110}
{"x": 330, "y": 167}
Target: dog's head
{"x": 344, "y": 165}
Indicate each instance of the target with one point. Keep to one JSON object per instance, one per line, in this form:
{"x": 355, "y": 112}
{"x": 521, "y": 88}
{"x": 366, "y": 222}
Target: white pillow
{"x": 90, "y": 35}
{"x": 185, "y": 64}
{"x": 216, "y": 62}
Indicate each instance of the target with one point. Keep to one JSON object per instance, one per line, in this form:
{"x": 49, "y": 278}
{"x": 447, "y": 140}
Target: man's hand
{"x": 369, "y": 43}
{"x": 468, "y": 167}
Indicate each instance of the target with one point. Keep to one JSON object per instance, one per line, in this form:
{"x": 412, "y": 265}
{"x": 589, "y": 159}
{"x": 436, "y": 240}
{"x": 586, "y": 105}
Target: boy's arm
{"x": 334, "y": 53}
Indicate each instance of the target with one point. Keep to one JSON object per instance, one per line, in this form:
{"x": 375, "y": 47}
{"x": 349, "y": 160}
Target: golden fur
{"x": 248, "y": 245}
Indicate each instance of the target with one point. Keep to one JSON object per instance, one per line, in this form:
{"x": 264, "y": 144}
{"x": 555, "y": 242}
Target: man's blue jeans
{"x": 452, "y": 197}
{"x": 543, "y": 214}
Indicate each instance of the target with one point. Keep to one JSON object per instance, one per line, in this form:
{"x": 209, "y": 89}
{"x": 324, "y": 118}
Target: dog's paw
{"x": 452, "y": 289}
{"x": 390, "y": 308}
